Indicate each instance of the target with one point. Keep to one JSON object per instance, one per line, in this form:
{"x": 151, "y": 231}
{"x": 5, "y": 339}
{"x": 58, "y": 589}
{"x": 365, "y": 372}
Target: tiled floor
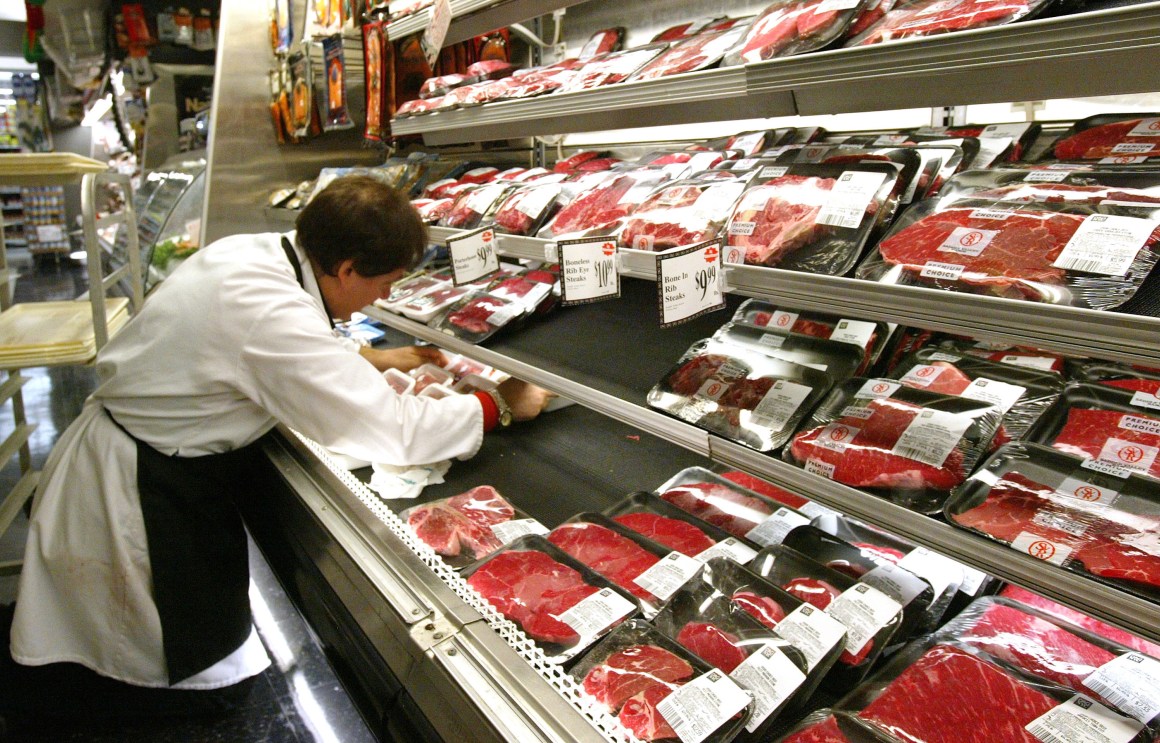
{"x": 297, "y": 700}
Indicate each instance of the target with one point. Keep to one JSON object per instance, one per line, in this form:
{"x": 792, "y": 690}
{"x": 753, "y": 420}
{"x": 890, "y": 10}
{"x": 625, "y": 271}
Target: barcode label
{"x": 854, "y": 332}
{"x": 999, "y": 394}
{"x": 1082, "y": 720}
{"x": 780, "y": 404}
{"x": 775, "y": 528}
{"x": 864, "y": 610}
{"x": 846, "y": 204}
{"x": 932, "y": 436}
{"x": 596, "y": 613}
{"x": 1130, "y": 683}
{"x": 1105, "y": 244}
{"x": 509, "y": 531}
{"x": 730, "y": 549}
{"x": 667, "y": 575}
{"x": 533, "y": 201}
{"x": 698, "y": 708}
{"x": 811, "y": 631}
{"x": 772, "y": 677}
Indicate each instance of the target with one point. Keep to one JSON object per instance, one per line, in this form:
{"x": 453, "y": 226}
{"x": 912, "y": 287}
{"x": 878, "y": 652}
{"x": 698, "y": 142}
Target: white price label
{"x": 973, "y": 580}
{"x": 932, "y": 436}
{"x": 588, "y": 270}
{"x": 473, "y": 255}
{"x": 1143, "y": 399}
{"x": 772, "y": 340}
{"x": 1124, "y": 160}
{"x": 773, "y": 171}
{"x": 47, "y": 233}
{"x": 1105, "y": 244}
{"x": 1129, "y": 682}
{"x": 815, "y": 467}
{"x": 1005, "y": 130}
{"x": 876, "y": 388}
{"x": 772, "y": 677}
{"x": 1107, "y": 468}
{"x": 780, "y": 404}
{"x": 864, "y": 610}
{"x": 945, "y": 271}
{"x": 690, "y": 282}
{"x": 698, "y": 708}
{"x": 1082, "y": 720}
{"x": 1128, "y": 454}
{"x": 1042, "y": 548}
{"x": 1043, "y": 363}
{"x": 1046, "y": 176}
{"x": 896, "y": 582}
{"x": 730, "y": 549}
{"x": 828, "y": 6}
{"x": 847, "y": 202}
{"x": 812, "y": 631}
{"x": 505, "y": 313}
{"x": 509, "y": 531}
{"x": 814, "y": 510}
{"x": 1135, "y": 148}
{"x": 1146, "y": 128}
{"x": 1073, "y": 487}
{"x": 776, "y": 526}
{"x": 436, "y": 31}
{"x": 944, "y": 574}
{"x": 967, "y": 241}
{"x": 922, "y": 375}
{"x": 714, "y": 202}
{"x": 991, "y": 213}
{"x": 481, "y": 198}
{"x": 596, "y": 613}
{"x": 999, "y": 394}
{"x": 1141, "y": 424}
{"x": 855, "y": 332}
{"x": 667, "y": 575}
{"x": 533, "y": 201}
{"x": 949, "y": 357}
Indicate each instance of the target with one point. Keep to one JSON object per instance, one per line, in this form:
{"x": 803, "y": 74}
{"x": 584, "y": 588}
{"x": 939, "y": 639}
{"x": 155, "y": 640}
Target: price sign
{"x": 473, "y": 255}
{"x": 690, "y": 282}
{"x": 588, "y": 270}
{"x": 436, "y": 32}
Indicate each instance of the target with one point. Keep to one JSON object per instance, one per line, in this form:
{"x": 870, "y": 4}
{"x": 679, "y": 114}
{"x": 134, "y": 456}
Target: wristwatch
{"x": 505, "y": 410}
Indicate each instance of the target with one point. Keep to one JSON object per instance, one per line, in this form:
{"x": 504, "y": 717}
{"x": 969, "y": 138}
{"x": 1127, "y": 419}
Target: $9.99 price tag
{"x": 689, "y": 282}
{"x": 588, "y": 270}
{"x": 473, "y": 255}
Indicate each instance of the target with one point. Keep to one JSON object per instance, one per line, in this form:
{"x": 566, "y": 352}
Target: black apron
{"x": 197, "y": 547}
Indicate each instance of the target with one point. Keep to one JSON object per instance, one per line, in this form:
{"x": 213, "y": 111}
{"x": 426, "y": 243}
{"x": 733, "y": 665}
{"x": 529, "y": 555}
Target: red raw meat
{"x": 1098, "y": 141}
{"x": 476, "y": 315}
{"x": 602, "y": 42}
{"x": 568, "y": 164}
{"x": 629, "y": 672}
{"x": 929, "y": 17}
{"x": 869, "y": 16}
{"x": 762, "y": 608}
{"x": 611, "y": 68}
{"x": 1151, "y": 386}
{"x": 462, "y": 521}
{"x": 695, "y": 372}
{"x": 673, "y": 533}
{"x": 826, "y": 731}
{"x": 783, "y": 26}
{"x": 533, "y": 82}
{"x": 617, "y": 558}
{"x": 950, "y": 696}
{"x": 531, "y": 589}
{"x": 721, "y": 506}
{"x": 695, "y": 53}
{"x": 514, "y": 219}
{"x": 757, "y": 485}
{"x": 484, "y": 174}
{"x": 939, "y": 376}
{"x": 432, "y": 210}
{"x": 1017, "y": 259}
{"x": 418, "y": 106}
{"x": 1057, "y": 193}
{"x": 1089, "y": 430}
{"x": 1036, "y": 646}
{"x": 437, "y": 86}
{"x": 785, "y": 220}
{"x": 867, "y": 460}
{"x": 640, "y": 714}
{"x": 817, "y": 327}
{"x": 819, "y": 593}
{"x": 845, "y": 567}
{"x": 597, "y": 165}
{"x": 713, "y": 645}
{"x": 599, "y": 207}
{"x": 492, "y": 69}
{"x": 1068, "y": 614}
{"x": 665, "y": 220}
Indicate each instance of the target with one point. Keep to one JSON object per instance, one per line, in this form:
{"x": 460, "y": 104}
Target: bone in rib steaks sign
{"x": 588, "y": 270}
{"x": 690, "y": 282}
{"x": 473, "y": 255}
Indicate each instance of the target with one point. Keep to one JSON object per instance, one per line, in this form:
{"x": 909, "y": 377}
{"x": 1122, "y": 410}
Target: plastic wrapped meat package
{"x": 490, "y": 69}
{"x": 1111, "y": 138}
{"x": 463, "y": 528}
{"x": 472, "y": 207}
{"x": 611, "y": 68}
{"x": 680, "y": 213}
{"x": 814, "y": 218}
{"x": 534, "y": 81}
{"x": 697, "y": 52}
{"x": 870, "y": 336}
{"x": 907, "y": 445}
{"x": 793, "y": 27}
{"x": 1026, "y": 356}
{"x": 721, "y": 633}
{"x": 418, "y": 106}
{"x": 838, "y": 360}
{"x": 1023, "y": 135}
{"x": 1052, "y": 253}
{"x": 477, "y": 316}
{"x": 409, "y": 289}
{"x": 602, "y": 42}
{"x": 633, "y": 674}
{"x": 1079, "y": 619}
{"x": 1122, "y": 376}
{"x": 1046, "y": 504}
{"x": 534, "y": 290}
{"x": 524, "y": 210}
{"x": 426, "y": 306}
{"x": 603, "y": 201}
{"x": 823, "y": 726}
{"x": 742, "y": 395}
{"x": 438, "y": 86}
{"x": 668, "y": 526}
{"x": 909, "y": 161}
{"x": 432, "y": 210}
{"x": 1089, "y": 188}
{"x": 689, "y": 29}
{"x": 561, "y": 605}
{"x": 930, "y": 17}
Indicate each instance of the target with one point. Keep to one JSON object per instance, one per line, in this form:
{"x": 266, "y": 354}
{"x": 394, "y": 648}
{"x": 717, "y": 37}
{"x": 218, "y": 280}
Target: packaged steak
{"x": 1045, "y": 503}
{"x": 534, "y": 81}
{"x": 442, "y": 85}
{"x": 1025, "y": 356}
{"x": 480, "y": 175}
{"x": 570, "y": 163}
{"x": 1035, "y": 252}
{"x": 930, "y": 17}
{"x": 432, "y": 210}
{"x": 686, "y": 29}
{"x": 770, "y": 491}
{"x": 1109, "y": 137}
{"x": 410, "y": 288}
{"x": 472, "y": 207}
{"x": 424, "y": 307}
{"x": 694, "y": 53}
{"x": 748, "y": 144}
{"x": 908, "y": 445}
{"x": 598, "y": 209}
{"x": 1041, "y": 645}
{"x": 908, "y": 159}
{"x": 1089, "y": 188}
{"x": 680, "y": 213}
{"x": 636, "y": 674}
{"x": 556, "y": 601}
{"x": 1123, "y": 376}
{"x": 794, "y": 27}
{"x": 869, "y": 616}
{"x": 612, "y": 68}
{"x": 490, "y": 69}
{"x": 823, "y": 726}
{"x": 1114, "y": 427}
{"x": 870, "y": 336}
{"x": 418, "y": 106}
{"x": 1022, "y": 135}
{"x": 721, "y": 633}
{"x": 837, "y": 359}
{"x": 524, "y": 209}
{"x": 813, "y": 218}
{"x": 669, "y": 526}
{"x": 728, "y": 506}
{"x": 427, "y": 375}
{"x": 477, "y": 316}
{"x": 742, "y": 395}
{"x": 466, "y": 527}
{"x": 1021, "y": 393}
{"x": 683, "y": 164}
{"x": 535, "y": 290}
{"x": 602, "y": 42}
{"x": 1071, "y": 616}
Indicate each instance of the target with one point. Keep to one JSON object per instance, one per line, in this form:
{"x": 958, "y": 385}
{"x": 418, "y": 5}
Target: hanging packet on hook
{"x": 374, "y": 38}
{"x": 336, "y": 114}
{"x": 301, "y": 94}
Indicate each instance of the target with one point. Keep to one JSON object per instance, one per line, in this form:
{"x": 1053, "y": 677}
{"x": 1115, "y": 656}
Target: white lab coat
{"x": 227, "y": 345}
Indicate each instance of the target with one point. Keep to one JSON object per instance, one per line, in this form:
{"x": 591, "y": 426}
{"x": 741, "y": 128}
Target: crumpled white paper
{"x": 398, "y": 483}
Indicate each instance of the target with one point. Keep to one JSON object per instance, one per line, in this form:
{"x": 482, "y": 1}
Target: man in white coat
{"x": 135, "y": 567}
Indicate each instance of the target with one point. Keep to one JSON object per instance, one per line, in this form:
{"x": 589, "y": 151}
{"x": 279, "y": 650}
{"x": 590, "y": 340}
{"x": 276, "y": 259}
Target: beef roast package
{"x": 1111, "y": 139}
{"x": 929, "y": 17}
{"x": 1123, "y": 376}
{"x": 1025, "y": 356}
{"x": 907, "y": 445}
{"x": 1036, "y": 252}
{"x": 1050, "y": 186}
{"x": 721, "y": 633}
{"x": 1023, "y": 135}
{"x": 559, "y": 603}
{"x": 426, "y": 306}
{"x": 837, "y": 359}
{"x": 473, "y": 207}
{"x": 468, "y": 526}
{"x": 667, "y": 525}
{"x": 742, "y": 395}
{"x": 908, "y": 159}
{"x": 612, "y": 68}
{"x": 524, "y": 210}
{"x": 604, "y": 200}
{"x": 477, "y": 316}
{"x": 794, "y": 27}
{"x": 870, "y": 617}
{"x": 812, "y": 218}
{"x": 1042, "y": 502}
{"x": 1071, "y": 616}
{"x": 1023, "y": 394}
{"x": 870, "y": 336}
{"x": 636, "y": 674}
{"x": 697, "y": 52}
{"x": 408, "y": 288}
{"x": 680, "y": 213}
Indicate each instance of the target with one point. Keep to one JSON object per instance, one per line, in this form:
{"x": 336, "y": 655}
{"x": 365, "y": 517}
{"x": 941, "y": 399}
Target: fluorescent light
{"x": 99, "y": 109}
{"x": 5, "y": 91}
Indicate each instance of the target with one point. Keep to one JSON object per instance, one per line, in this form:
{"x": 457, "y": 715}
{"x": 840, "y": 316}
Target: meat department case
{"x": 419, "y": 654}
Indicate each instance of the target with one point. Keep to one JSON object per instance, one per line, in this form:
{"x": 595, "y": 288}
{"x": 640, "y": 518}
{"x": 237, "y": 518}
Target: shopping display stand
{"x": 59, "y": 333}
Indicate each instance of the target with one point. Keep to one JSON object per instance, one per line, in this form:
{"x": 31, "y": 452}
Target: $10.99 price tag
{"x": 588, "y": 270}
{"x": 473, "y": 255}
{"x": 690, "y": 282}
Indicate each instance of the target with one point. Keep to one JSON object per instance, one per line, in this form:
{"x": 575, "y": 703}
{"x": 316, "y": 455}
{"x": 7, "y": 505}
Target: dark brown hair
{"x": 360, "y": 218}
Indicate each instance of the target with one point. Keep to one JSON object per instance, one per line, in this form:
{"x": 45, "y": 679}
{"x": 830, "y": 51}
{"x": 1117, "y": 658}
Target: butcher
{"x": 135, "y": 571}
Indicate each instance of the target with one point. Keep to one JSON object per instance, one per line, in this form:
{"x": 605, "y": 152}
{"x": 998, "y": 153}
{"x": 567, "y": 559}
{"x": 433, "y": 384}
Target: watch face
{"x": 505, "y": 418}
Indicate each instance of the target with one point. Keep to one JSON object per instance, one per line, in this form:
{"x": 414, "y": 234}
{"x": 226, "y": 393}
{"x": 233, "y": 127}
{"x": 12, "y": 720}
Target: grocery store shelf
{"x": 1098, "y": 53}
{"x": 470, "y": 18}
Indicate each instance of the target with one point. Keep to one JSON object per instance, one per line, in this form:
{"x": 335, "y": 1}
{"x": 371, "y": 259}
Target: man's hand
{"x": 526, "y": 400}
{"x": 404, "y": 358}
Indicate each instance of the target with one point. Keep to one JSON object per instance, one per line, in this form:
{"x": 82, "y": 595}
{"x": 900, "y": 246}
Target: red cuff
{"x": 490, "y": 410}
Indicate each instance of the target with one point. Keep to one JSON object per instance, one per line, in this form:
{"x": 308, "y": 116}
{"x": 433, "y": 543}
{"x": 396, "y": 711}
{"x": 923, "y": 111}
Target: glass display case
{"x": 168, "y": 204}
